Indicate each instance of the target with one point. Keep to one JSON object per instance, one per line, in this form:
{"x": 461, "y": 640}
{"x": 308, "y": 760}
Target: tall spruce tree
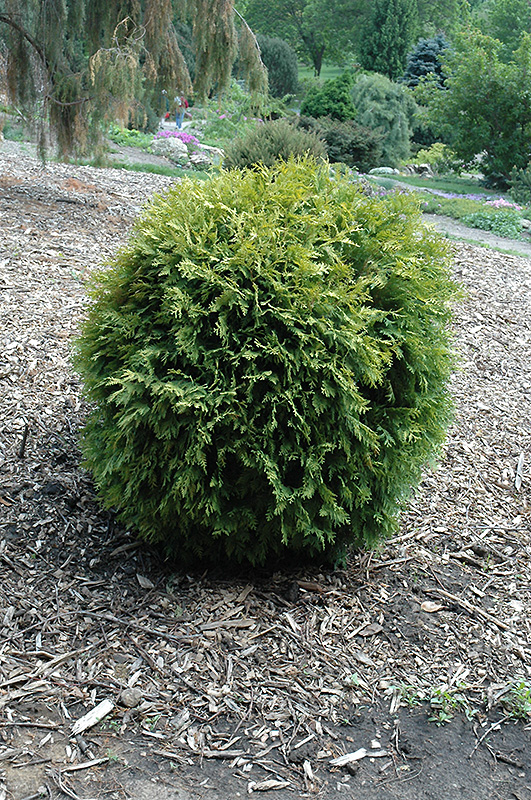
{"x": 388, "y": 37}
{"x": 80, "y": 63}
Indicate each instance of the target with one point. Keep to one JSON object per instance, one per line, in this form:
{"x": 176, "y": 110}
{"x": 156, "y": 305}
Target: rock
{"x": 368, "y": 188}
{"x": 200, "y": 160}
{"x": 418, "y": 169}
{"x": 215, "y": 154}
{"x": 130, "y": 698}
{"x": 171, "y": 148}
{"x": 424, "y": 169}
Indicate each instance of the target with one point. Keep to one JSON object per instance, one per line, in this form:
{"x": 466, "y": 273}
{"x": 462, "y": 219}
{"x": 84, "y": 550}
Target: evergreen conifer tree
{"x": 82, "y": 62}
{"x": 388, "y": 37}
{"x": 282, "y": 66}
{"x": 425, "y": 60}
{"x": 389, "y": 109}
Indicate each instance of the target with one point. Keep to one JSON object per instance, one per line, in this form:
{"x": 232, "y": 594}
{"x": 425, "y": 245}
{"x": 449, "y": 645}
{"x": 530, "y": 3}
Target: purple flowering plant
{"x": 186, "y": 138}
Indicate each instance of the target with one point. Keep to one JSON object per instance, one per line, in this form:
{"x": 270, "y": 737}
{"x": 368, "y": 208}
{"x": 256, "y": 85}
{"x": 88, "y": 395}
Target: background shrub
{"x": 267, "y": 361}
{"x": 520, "y": 185}
{"x": 346, "y": 142}
{"x": 388, "y": 108}
{"x": 269, "y": 141}
{"x": 440, "y": 157}
{"x": 282, "y": 67}
{"x": 502, "y": 223}
{"x": 332, "y": 99}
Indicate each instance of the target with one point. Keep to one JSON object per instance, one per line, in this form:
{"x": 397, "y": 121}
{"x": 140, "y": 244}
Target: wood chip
{"x": 93, "y": 716}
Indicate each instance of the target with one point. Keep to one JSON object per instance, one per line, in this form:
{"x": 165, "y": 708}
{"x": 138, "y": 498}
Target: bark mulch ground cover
{"x": 404, "y": 674}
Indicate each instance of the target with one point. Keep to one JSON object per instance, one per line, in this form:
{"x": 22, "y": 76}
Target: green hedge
{"x": 267, "y": 360}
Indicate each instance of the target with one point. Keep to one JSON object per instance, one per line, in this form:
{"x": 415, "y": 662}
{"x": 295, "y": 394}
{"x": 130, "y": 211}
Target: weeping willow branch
{"x": 23, "y": 32}
{"x": 251, "y": 59}
{"x": 251, "y": 33}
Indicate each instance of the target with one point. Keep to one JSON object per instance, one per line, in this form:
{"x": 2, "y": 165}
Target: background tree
{"x": 442, "y": 16}
{"x": 485, "y": 109}
{"x": 425, "y": 60}
{"x": 388, "y": 36}
{"x": 389, "y": 109}
{"x": 507, "y": 20}
{"x": 84, "y": 62}
{"x": 280, "y": 60}
{"x": 315, "y": 28}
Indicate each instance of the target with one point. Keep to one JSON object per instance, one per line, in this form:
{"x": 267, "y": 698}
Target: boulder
{"x": 200, "y": 160}
{"x": 384, "y": 171}
{"x": 171, "y": 148}
{"x": 215, "y": 154}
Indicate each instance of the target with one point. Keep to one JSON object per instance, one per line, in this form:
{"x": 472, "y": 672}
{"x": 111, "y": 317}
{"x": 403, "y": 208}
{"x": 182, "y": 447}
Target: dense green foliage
{"x": 425, "y": 60}
{"x": 317, "y": 29}
{"x": 506, "y": 21}
{"x": 520, "y": 185}
{"x": 388, "y": 36}
{"x": 332, "y": 99}
{"x": 485, "y": 110}
{"x": 389, "y": 109}
{"x": 502, "y": 223}
{"x": 267, "y": 360}
{"x": 443, "y": 16}
{"x": 269, "y": 141}
{"x": 346, "y": 142}
{"x": 280, "y": 60}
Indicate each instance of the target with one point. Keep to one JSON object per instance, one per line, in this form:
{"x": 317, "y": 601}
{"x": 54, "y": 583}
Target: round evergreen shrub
{"x": 269, "y": 141}
{"x": 282, "y": 66}
{"x": 332, "y": 99}
{"x": 346, "y": 142}
{"x": 267, "y": 360}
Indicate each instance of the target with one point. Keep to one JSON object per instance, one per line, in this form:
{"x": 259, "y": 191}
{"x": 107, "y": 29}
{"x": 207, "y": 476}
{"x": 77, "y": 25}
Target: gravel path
{"x": 456, "y": 230}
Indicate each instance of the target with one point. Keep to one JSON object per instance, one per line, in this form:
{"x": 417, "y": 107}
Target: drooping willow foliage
{"x": 77, "y": 63}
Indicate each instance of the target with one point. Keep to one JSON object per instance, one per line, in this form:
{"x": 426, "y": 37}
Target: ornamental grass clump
{"x": 268, "y": 360}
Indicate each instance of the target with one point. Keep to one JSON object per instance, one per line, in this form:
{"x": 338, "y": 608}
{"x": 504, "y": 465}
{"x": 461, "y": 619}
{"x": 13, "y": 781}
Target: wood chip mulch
{"x": 87, "y": 614}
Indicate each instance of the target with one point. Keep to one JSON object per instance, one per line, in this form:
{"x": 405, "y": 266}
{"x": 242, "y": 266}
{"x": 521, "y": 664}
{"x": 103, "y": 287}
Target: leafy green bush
{"x": 346, "y": 142}
{"x": 483, "y": 113}
{"x": 388, "y": 108}
{"x": 267, "y": 360}
{"x": 332, "y": 99}
{"x": 440, "y": 158}
{"x": 269, "y": 141}
{"x": 503, "y": 223}
{"x": 282, "y": 67}
{"x": 130, "y": 138}
{"x": 520, "y": 185}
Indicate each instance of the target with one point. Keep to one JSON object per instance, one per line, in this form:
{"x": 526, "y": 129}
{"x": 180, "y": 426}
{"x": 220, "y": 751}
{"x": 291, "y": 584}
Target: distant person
{"x": 181, "y": 104}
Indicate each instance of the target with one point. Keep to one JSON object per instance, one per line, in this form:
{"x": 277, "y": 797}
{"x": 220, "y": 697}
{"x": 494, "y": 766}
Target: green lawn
{"x": 452, "y": 183}
{"x": 328, "y": 71}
